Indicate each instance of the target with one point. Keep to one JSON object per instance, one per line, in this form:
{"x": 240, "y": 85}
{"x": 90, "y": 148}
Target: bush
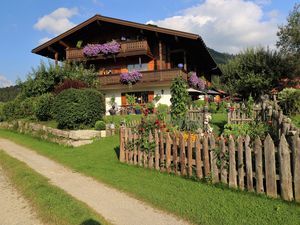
{"x": 213, "y": 107}
{"x": 199, "y": 103}
{"x": 252, "y": 129}
{"x": 289, "y": 101}
{"x": 1, "y": 111}
{"x": 162, "y": 108}
{"x": 74, "y": 108}
{"x": 27, "y": 108}
{"x": 222, "y": 107}
{"x": 100, "y": 125}
{"x": 44, "y": 105}
{"x": 9, "y": 110}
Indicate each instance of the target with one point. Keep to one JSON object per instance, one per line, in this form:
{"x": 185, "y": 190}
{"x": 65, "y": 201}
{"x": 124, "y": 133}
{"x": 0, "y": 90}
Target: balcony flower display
{"x": 91, "y": 50}
{"x": 130, "y": 77}
{"x": 196, "y": 82}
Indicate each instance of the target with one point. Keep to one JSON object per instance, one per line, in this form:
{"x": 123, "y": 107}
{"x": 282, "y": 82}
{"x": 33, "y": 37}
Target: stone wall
{"x": 73, "y": 138}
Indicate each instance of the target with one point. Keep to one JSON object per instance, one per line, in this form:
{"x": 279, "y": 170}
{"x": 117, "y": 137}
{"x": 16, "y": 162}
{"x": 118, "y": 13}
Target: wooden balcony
{"x": 149, "y": 79}
{"x": 129, "y": 48}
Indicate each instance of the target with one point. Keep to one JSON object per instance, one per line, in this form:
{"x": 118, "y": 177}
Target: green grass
{"x": 218, "y": 121}
{"x": 197, "y": 202}
{"x": 53, "y": 205}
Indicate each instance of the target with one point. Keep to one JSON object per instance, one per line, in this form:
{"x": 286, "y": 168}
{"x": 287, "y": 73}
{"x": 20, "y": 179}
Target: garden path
{"x": 114, "y": 205}
{"x": 14, "y": 209}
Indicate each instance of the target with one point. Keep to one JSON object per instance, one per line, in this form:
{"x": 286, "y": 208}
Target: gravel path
{"x": 113, "y": 205}
{"x": 14, "y": 209}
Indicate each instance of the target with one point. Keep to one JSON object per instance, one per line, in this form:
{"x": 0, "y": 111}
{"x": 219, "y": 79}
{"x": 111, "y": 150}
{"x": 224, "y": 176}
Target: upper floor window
{"x": 137, "y": 67}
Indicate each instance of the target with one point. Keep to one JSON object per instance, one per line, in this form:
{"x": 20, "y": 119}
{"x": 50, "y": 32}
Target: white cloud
{"x": 4, "y": 82}
{"x": 57, "y": 22}
{"x": 226, "y": 25}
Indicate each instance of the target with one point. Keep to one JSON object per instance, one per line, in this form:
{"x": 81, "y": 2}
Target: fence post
{"x": 168, "y": 153}
{"x": 270, "y": 169}
{"x": 241, "y": 172}
{"x": 198, "y": 158}
{"x": 182, "y": 156}
{"x": 156, "y": 150}
{"x": 258, "y": 165}
{"x": 150, "y": 153}
{"x": 248, "y": 164}
{"x": 232, "y": 164}
{"x": 285, "y": 170}
{"x": 174, "y": 149}
{"x": 206, "y": 156}
{"x": 223, "y": 161}
{"x": 122, "y": 145}
{"x": 296, "y": 164}
{"x": 213, "y": 160}
{"x": 189, "y": 155}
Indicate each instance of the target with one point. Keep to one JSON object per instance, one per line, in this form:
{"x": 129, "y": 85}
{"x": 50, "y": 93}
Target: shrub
{"x": 289, "y": 101}
{"x": 1, "y": 111}
{"x": 27, "y": 108}
{"x": 213, "y": 107}
{"x": 179, "y": 99}
{"x": 68, "y": 83}
{"x": 74, "y": 108}
{"x": 100, "y": 125}
{"x": 222, "y": 107}
{"x": 252, "y": 129}
{"x": 162, "y": 108}
{"x": 199, "y": 103}
{"x": 44, "y": 105}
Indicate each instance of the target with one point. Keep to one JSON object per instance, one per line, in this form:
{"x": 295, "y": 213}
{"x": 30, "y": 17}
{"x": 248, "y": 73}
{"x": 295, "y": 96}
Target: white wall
{"x": 165, "y": 98}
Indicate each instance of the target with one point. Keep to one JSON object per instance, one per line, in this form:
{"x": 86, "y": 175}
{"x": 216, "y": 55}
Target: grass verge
{"x": 53, "y": 205}
{"x": 197, "y": 202}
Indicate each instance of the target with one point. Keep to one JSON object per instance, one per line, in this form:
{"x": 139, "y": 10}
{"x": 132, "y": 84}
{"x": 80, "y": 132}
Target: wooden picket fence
{"x": 254, "y": 165}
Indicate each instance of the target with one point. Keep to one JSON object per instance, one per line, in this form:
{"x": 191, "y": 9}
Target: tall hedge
{"x": 74, "y": 108}
{"x": 44, "y": 105}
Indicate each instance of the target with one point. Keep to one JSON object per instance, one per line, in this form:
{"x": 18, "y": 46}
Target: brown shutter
{"x": 150, "y": 96}
{"x": 123, "y": 99}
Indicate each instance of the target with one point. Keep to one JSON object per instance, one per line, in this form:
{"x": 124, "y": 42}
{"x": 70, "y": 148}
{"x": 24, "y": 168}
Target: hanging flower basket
{"x": 130, "y": 77}
{"x": 92, "y": 50}
{"x": 196, "y": 82}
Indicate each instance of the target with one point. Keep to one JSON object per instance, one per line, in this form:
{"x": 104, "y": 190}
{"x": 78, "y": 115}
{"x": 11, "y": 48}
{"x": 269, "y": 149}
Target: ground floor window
{"x": 142, "y": 97}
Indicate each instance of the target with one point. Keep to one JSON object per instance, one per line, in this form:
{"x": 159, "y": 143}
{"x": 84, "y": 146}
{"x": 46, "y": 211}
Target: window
{"x": 138, "y": 67}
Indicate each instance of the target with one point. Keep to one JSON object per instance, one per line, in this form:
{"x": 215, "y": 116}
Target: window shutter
{"x": 123, "y": 99}
{"x": 150, "y": 96}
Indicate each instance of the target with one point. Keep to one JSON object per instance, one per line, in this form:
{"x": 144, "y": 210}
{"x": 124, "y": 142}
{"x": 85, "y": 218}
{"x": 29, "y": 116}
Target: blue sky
{"x": 225, "y": 25}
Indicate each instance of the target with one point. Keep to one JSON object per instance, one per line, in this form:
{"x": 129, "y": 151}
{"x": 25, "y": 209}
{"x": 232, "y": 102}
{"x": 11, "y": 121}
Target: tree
{"x": 289, "y": 39}
{"x": 179, "y": 98}
{"x": 253, "y": 72}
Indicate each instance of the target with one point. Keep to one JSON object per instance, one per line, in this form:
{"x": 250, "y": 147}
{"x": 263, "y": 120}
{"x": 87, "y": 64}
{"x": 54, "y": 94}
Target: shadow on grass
{"x": 90, "y": 222}
{"x": 117, "y": 151}
{"x": 221, "y": 125}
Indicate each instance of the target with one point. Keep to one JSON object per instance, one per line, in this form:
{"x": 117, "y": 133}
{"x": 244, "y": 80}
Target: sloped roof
{"x": 120, "y": 22}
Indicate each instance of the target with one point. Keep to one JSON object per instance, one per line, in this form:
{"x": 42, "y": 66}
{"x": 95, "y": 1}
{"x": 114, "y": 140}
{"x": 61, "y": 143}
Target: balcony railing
{"x": 127, "y": 49}
{"x": 149, "y": 77}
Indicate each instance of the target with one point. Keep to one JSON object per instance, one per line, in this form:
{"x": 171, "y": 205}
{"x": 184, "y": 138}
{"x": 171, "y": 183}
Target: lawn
{"x": 218, "y": 121}
{"x": 53, "y": 205}
{"x": 197, "y": 202}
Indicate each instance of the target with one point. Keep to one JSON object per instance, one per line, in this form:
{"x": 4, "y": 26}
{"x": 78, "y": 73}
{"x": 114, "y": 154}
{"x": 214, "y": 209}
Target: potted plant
{"x": 150, "y": 106}
{"x": 138, "y": 109}
{"x": 112, "y": 103}
{"x": 131, "y": 101}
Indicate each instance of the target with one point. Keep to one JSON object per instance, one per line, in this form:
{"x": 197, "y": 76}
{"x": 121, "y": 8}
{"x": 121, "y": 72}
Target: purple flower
{"x": 131, "y": 77}
{"x": 91, "y": 50}
{"x": 196, "y": 82}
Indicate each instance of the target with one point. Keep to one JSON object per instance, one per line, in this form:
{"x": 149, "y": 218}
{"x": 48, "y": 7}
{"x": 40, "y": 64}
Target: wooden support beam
{"x": 160, "y": 54}
{"x": 184, "y": 61}
{"x": 64, "y": 44}
{"x": 176, "y": 38}
{"x": 56, "y": 57}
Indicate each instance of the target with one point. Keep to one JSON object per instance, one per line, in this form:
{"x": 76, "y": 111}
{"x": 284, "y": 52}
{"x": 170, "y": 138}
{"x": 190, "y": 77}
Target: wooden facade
{"x": 154, "y": 51}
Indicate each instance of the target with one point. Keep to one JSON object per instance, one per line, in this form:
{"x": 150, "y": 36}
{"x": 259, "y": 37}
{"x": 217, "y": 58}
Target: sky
{"x": 225, "y": 25}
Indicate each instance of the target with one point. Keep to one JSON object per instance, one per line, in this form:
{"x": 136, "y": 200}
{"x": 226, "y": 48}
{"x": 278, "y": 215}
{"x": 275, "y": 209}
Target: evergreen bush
{"x": 74, "y": 108}
{"x": 44, "y": 105}
{"x": 100, "y": 125}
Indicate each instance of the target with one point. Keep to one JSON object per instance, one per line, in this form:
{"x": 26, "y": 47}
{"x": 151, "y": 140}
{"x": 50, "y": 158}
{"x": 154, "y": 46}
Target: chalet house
{"x": 153, "y": 51}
